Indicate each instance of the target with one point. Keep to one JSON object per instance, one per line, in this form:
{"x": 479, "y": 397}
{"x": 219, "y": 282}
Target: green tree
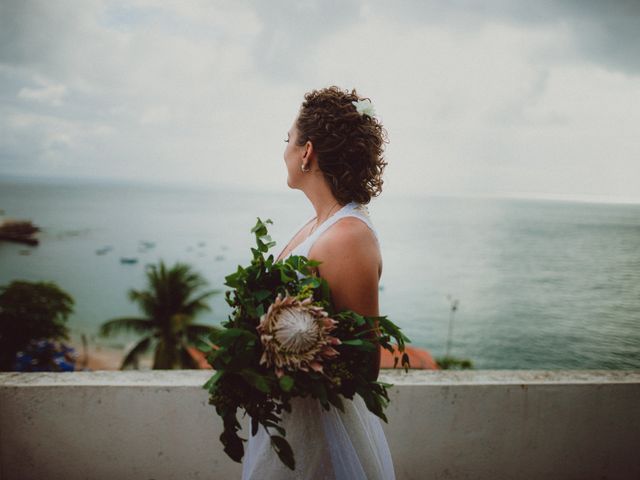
{"x": 31, "y": 311}
{"x": 171, "y": 302}
{"x": 453, "y": 363}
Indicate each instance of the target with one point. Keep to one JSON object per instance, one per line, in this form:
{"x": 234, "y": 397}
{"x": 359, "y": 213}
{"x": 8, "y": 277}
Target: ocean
{"x": 540, "y": 284}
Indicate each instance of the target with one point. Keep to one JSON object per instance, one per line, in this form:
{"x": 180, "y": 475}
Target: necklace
{"x": 316, "y": 225}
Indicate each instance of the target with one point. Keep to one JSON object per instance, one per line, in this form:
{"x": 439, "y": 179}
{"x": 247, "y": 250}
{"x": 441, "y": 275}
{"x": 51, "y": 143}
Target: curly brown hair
{"x": 349, "y": 146}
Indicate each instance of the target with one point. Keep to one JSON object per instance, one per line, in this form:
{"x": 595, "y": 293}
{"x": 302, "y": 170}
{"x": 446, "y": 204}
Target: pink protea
{"x": 295, "y": 335}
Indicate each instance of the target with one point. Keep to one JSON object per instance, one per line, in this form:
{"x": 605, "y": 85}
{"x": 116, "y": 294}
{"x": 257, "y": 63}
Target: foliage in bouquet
{"x": 282, "y": 340}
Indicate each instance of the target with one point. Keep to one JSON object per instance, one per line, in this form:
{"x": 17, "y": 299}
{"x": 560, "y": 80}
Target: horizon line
{"x": 565, "y": 197}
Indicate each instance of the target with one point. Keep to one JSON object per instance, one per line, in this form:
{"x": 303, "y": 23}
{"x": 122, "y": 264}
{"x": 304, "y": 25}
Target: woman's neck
{"x": 324, "y": 204}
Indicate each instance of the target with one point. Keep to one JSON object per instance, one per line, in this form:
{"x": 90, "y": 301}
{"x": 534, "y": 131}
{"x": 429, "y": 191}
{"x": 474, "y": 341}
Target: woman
{"x": 334, "y": 155}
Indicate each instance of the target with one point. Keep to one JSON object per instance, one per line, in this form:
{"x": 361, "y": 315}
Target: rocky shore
{"x": 21, "y": 231}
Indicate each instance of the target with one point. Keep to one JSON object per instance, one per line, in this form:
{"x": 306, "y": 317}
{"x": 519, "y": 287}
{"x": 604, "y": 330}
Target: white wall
{"x": 497, "y": 424}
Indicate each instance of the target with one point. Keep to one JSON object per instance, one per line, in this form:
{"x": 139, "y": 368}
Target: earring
{"x": 302, "y": 168}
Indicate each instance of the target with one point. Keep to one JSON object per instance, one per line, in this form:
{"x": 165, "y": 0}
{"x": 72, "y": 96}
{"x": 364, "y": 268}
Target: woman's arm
{"x": 350, "y": 258}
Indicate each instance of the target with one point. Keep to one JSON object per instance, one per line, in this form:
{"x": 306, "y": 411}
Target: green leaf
{"x": 296, "y": 261}
{"x": 233, "y": 333}
{"x": 405, "y": 362}
{"x": 335, "y": 400}
{"x": 260, "y": 295}
{"x": 235, "y": 279}
{"x": 372, "y": 401}
{"x": 215, "y": 334}
{"x": 319, "y": 391}
{"x": 326, "y": 291}
{"x": 260, "y": 228}
{"x": 284, "y": 451}
{"x": 209, "y": 383}
{"x": 285, "y": 277}
{"x": 232, "y": 445}
{"x": 391, "y": 328}
{"x": 362, "y": 344}
{"x": 203, "y": 346}
{"x": 273, "y": 424}
{"x": 258, "y": 381}
{"x": 313, "y": 282}
{"x": 385, "y": 385}
{"x": 286, "y": 383}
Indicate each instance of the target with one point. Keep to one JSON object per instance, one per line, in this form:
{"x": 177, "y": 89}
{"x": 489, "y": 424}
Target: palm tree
{"x": 170, "y": 304}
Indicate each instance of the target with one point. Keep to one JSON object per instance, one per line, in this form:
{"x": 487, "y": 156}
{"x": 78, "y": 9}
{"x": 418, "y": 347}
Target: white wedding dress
{"x": 326, "y": 444}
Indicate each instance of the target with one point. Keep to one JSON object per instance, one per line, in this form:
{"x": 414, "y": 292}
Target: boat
{"x": 129, "y": 260}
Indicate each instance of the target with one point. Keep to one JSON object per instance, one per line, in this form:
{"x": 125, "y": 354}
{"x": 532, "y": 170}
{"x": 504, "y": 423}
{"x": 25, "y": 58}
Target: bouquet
{"x": 282, "y": 340}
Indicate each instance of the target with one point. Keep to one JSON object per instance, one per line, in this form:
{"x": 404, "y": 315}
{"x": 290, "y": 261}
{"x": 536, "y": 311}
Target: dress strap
{"x": 298, "y": 230}
{"x": 351, "y": 209}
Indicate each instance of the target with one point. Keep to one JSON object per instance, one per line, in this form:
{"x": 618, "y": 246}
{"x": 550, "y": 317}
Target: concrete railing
{"x": 491, "y": 424}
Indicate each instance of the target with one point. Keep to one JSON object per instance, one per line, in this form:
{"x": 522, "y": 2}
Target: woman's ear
{"x": 308, "y": 149}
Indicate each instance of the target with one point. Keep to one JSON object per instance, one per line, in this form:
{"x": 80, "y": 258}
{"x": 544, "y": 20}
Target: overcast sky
{"x": 500, "y": 98}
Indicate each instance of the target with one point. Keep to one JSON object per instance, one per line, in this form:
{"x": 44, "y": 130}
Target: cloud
{"x": 52, "y": 94}
{"x": 481, "y": 112}
{"x": 290, "y": 29}
{"x": 495, "y": 97}
{"x": 36, "y": 33}
{"x": 156, "y": 115}
{"x": 606, "y": 33}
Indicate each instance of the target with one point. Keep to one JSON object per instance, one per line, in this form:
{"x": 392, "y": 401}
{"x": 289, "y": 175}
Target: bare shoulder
{"x": 348, "y": 237}
{"x": 351, "y": 264}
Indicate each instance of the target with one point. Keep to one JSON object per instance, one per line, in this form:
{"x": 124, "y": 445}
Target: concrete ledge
{"x": 521, "y": 424}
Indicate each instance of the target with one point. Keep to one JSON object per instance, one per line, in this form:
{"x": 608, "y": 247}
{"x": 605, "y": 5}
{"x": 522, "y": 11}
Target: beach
{"x": 101, "y": 357}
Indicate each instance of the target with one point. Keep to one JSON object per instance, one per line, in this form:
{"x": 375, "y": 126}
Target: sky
{"x": 498, "y": 98}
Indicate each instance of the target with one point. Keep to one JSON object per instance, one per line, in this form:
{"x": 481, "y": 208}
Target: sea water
{"x": 539, "y": 284}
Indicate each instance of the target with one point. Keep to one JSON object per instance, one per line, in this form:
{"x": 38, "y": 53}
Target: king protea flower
{"x": 295, "y": 335}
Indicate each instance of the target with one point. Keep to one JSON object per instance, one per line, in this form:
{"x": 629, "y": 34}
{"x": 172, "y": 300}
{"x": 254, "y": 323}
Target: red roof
{"x": 418, "y": 359}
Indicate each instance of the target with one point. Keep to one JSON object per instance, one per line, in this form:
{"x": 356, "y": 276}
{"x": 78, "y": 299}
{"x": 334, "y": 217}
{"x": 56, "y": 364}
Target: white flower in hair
{"x": 364, "y": 107}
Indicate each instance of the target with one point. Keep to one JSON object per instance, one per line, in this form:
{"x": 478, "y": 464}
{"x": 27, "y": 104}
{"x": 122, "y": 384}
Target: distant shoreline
{"x": 126, "y": 182}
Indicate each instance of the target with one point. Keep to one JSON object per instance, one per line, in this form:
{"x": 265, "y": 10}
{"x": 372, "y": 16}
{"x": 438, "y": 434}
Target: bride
{"x": 334, "y": 155}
